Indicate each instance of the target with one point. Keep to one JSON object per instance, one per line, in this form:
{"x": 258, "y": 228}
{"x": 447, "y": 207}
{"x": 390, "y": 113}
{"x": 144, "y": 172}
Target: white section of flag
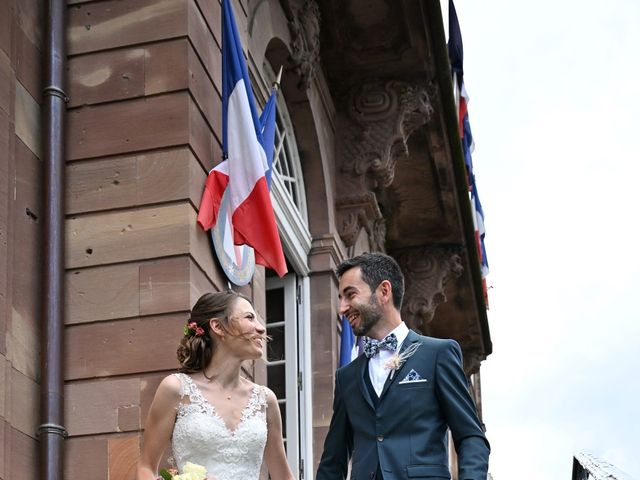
{"x": 247, "y": 162}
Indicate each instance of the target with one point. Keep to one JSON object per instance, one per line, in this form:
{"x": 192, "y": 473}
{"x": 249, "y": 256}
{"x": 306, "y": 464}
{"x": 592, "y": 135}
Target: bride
{"x": 213, "y": 416}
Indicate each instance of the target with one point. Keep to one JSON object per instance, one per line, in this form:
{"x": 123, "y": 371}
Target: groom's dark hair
{"x": 376, "y": 267}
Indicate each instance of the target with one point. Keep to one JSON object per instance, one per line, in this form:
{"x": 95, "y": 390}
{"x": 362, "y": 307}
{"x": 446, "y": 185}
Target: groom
{"x": 392, "y": 406}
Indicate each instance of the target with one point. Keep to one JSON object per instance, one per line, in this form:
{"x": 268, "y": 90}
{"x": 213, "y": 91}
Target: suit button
{"x": 380, "y": 438}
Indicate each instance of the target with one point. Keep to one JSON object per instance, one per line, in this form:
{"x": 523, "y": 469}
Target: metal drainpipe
{"x": 51, "y": 432}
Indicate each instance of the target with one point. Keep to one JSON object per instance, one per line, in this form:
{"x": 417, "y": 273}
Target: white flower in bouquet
{"x": 190, "y": 471}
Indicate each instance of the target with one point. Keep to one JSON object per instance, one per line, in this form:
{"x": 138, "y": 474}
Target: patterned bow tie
{"x": 372, "y": 347}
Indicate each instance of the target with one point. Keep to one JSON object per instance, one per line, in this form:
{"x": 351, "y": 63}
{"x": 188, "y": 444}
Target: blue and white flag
{"x": 462, "y": 99}
{"x": 478, "y": 222}
{"x": 348, "y": 344}
{"x": 454, "y": 45}
{"x": 268, "y": 129}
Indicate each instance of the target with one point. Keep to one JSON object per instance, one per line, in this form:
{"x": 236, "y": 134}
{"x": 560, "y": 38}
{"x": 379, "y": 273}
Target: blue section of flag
{"x": 455, "y": 42}
{"x": 479, "y": 213}
{"x": 455, "y": 50}
{"x": 347, "y": 343}
{"x": 268, "y": 128}
{"x": 234, "y": 69}
{"x": 476, "y": 199}
{"x": 467, "y": 149}
{"x": 467, "y": 143}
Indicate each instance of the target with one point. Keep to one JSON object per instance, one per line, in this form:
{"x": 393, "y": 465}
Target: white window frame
{"x": 306, "y": 381}
{"x": 291, "y": 428}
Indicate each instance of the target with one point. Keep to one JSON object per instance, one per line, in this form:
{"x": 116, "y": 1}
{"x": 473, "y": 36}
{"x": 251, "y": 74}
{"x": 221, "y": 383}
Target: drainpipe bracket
{"x": 52, "y": 90}
{"x": 52, "y": 428}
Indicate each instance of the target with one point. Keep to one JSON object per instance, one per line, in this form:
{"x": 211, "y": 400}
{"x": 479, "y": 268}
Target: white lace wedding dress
{"x": 201, "y": 436}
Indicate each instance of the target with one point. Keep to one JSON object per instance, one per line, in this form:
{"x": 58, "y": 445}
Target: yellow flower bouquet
{"x": 190, "y": 471}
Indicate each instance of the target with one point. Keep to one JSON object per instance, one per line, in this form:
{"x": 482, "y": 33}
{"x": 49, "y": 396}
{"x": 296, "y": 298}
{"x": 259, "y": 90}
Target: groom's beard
{"x": 370, "y": 315}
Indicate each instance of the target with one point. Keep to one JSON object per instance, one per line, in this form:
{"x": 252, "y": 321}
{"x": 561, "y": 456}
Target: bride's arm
{"x": 158, "y": 428}
{"x": 274, "y": 451}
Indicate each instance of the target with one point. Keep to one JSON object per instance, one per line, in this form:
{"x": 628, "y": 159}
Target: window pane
{"x": 276, "y": 380}
{"x": 282, "y": 161}
{"x": 283, "y": 413}
{"x": 275, "y": 305}
{"x": 275, "y": 348}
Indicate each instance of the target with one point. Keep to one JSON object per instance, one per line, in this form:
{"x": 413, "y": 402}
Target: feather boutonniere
{"x": 398, "y": 359}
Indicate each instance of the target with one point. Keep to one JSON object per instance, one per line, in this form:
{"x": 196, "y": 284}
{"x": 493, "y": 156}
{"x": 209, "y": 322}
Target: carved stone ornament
{"x": 427, "y": 271}
{"x": 360, "y": 211}
{"x": 472, "y": 361}
{"x": 305, "y": 41}
{"x": 378, "y": 235}
{"x": 380, "y": 118}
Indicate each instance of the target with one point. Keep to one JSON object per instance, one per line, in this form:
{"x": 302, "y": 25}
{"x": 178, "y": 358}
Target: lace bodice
{"x": 201, "y": 436}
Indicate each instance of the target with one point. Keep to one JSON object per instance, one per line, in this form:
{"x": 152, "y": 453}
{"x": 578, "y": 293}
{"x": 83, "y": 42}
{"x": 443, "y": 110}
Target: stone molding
{"x": 380, "y": 117}
{"x": 427, "y": 271}
{"x": 472, "y": 361}
{"x": 377, "y": 231}
{"x": 304, "y": 25}
{"x": 372, "y": 136}
{"x": 326, "y": 253}
{"x": 358, "y": 211}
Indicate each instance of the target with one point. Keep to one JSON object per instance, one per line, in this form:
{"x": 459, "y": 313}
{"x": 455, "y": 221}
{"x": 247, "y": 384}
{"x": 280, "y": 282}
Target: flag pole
{"x": 276, "y": 82}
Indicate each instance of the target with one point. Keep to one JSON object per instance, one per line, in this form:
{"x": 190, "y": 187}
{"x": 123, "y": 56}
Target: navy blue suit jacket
{"x": 406, "y": 432}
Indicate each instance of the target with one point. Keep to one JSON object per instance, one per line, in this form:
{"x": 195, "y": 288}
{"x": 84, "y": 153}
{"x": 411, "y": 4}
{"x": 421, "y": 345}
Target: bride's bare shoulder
{"x": 170, "y": 386}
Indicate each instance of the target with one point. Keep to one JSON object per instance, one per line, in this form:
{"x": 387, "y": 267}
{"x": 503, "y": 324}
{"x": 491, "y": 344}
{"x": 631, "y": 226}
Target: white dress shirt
{"x": 377, "y": 373}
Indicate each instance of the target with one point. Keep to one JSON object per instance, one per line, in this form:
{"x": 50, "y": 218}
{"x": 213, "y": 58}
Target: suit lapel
{"x": 412, "y": 337}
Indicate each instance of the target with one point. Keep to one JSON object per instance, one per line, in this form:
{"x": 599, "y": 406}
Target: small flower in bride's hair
{"x": 191, "y": 329}
{"x": 398, "y": 359}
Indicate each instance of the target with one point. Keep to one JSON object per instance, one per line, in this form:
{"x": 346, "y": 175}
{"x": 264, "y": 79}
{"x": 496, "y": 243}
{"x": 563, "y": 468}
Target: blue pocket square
{"x": 412, "y": 377}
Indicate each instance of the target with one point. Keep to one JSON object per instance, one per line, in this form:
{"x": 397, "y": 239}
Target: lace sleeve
{"x": 264, "y": 394}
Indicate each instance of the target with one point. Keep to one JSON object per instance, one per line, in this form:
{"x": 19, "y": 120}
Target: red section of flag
{"x": 211, "y": 198}
{"x": 255, "y": 225}
{"x": 253, "y": 221}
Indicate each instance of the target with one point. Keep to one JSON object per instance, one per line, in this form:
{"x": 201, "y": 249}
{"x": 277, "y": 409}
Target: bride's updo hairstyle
{"x": 197, "y": 344}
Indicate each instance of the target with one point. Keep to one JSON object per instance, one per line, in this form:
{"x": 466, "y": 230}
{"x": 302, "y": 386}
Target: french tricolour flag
{"x": 462, "y": 99}
{"x": 245, "y": 164}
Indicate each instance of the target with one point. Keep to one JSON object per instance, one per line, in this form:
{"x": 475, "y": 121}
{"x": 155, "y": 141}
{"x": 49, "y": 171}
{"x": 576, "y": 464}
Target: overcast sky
{"x": 555, "y": 115}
